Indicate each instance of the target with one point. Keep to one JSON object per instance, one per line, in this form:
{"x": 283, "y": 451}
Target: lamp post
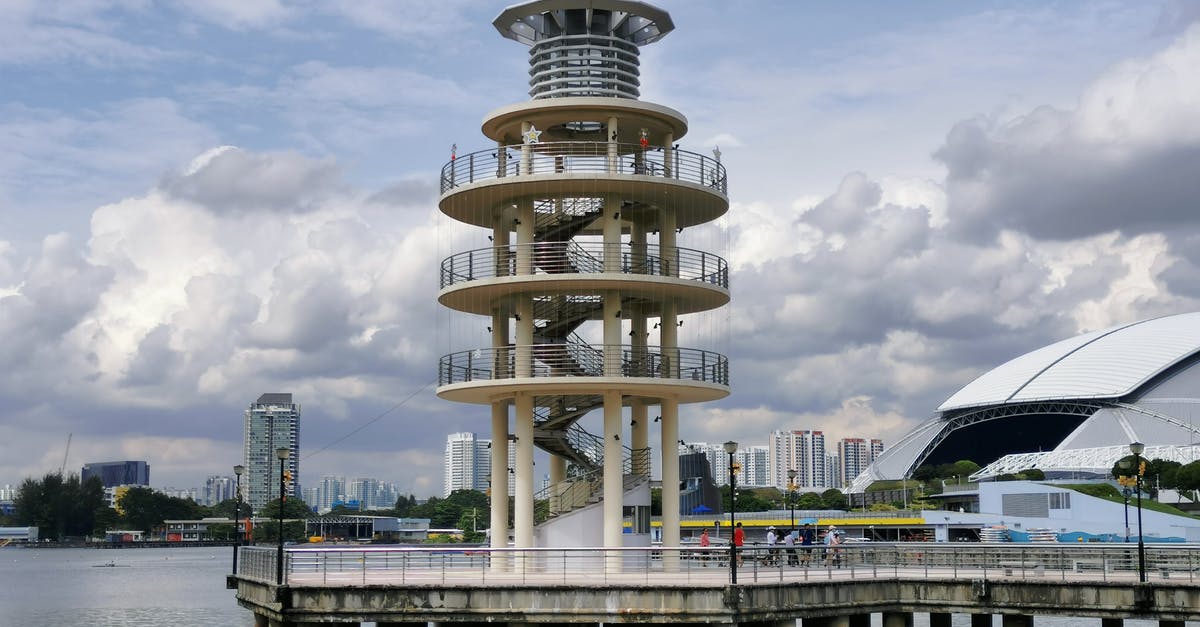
{"x": 237, "y": 514}
{"x": 1125, "y": 493}
{"x": 1136, "y": 448}
{"x": 282, "y": 454}
{"x": 731, "y": 448}
{"x": 792, "y": 498}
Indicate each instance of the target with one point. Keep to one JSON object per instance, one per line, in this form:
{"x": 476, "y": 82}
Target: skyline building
{"x": 854, "y": 455}
{"x": 799, "y": 450}
{"x": 113, "y": 474}
{"x": 584, "y": 192}
{"x": 271, "y": 422}
{"x": 217, "y": 489}
{"x": 467, "y": 463}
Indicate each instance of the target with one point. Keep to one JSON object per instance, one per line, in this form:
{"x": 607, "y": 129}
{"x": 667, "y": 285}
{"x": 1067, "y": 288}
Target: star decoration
{"x": 531, "y": 136}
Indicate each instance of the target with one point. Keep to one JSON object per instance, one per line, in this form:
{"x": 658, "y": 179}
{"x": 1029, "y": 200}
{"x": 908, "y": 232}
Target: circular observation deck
{"x": 586, "y": 119}
{"x": 694, "y": 280}
{"x": 476, "y": 185}
{"x": 485, "y": 374}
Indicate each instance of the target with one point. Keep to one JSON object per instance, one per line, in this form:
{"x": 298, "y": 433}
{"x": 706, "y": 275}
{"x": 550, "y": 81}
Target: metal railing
{"x": 485, "y": 364}
{"x": 696, "y": 566}
{"x": 584, "y": 157}
{"x": 572, "y": 257}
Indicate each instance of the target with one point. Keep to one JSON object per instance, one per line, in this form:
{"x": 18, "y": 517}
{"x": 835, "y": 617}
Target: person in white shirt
{"x": 772, "y": 552}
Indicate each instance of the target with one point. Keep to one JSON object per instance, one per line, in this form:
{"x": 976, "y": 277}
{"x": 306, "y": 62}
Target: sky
{"x": 205, "y": 200}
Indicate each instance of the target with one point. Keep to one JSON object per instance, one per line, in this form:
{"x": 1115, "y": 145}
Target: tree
{"x": 833, "y": 499}
{"x": 295, "y": 511}
{"x": 59, "y": 506}
{"x": 809, "y": 500}
{"x": 1187, "y": 478}
{"x": 145, "y": 509}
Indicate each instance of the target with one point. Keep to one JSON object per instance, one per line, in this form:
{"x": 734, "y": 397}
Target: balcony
{"x": 583, "y": 368}
{"x": 572, "y": 257}
{"x": 651, "y": 176}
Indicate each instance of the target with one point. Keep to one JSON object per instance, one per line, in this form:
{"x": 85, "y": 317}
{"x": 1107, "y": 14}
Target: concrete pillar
{"x": 523, "y": 490}
{"x": 614, "y": 127}
{"x": 639, "y": 422}
{"x": 524, "y": 223}
{"x": 501, "y": 368}
{"x": 613, "y": 477}
{"x": 526, "y": 150}
{"x": 501, "y": 230}
{"x": 1016, "y": 620}
{"x": 981, "y": 620}
{"x": 667, "y": 241}
{"x": 499, "y": 488}
{"x": 897, "y": 619}
{"x": 669, "y": 155}
{"x": 939, "y": 619}
{"x": 558, "y": 475}
{"x": 669, "y": 337}
{"x": 612, "y": 334}
{"x": 670, "y": 477}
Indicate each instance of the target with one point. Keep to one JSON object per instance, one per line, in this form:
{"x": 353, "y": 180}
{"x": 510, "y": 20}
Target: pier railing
{"x": 709, "y": 566}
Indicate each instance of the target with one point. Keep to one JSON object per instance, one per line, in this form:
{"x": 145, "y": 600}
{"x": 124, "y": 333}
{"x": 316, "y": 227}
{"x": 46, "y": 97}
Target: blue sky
{"x": 202, "y": 201}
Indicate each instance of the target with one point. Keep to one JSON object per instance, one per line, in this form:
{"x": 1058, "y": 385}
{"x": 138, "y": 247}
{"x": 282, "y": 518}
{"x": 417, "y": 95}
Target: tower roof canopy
{"x": 636, "y": 22}
{"x": 1110, "y": 363}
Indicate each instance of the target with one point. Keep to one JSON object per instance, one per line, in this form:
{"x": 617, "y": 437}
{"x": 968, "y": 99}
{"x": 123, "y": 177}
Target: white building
{"x": 217, "y": 489}
{"x": 854, "y": 455}
{"x": 467, "y": 463}
{"x": 802, "y": 451}
{"x": 271, "y": 422}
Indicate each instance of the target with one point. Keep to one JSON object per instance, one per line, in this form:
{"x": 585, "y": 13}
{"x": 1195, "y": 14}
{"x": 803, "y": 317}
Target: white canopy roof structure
{"x": 1098, "y": 460}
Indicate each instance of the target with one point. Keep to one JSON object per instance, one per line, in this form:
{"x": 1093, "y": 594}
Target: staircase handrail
{"x": 587, "y": 257}
{"x": 573, "y": 157}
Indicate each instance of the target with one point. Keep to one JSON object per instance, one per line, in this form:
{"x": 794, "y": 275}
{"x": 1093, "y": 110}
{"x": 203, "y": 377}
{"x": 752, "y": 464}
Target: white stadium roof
{"x": 1102, "y": 364}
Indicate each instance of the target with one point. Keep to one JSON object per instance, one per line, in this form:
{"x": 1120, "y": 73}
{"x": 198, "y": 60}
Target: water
{"x": 184, "y": 586}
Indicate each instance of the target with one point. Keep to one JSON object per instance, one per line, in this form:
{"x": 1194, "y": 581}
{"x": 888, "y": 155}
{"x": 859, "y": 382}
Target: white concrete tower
{"x": 584, "y": 194}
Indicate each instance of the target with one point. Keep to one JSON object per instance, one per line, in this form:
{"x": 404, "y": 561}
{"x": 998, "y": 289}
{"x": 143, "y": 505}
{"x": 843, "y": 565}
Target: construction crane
{"x": 63, "y": 468}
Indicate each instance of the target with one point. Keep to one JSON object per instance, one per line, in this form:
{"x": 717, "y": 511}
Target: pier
{"x": 400, "y": 585}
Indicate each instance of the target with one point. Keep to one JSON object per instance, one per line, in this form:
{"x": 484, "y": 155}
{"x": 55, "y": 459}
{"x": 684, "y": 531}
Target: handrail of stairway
{"x": 584, "y": 158}
{"x": 565, "y": 257}
{"x": 495, "y": 364}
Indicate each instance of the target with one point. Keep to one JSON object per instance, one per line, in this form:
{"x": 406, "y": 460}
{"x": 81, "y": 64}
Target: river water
{"x": 182, "y": 587}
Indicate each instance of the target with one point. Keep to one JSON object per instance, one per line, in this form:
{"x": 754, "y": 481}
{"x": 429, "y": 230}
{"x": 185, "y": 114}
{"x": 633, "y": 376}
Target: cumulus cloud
{"x": 1122, "y": 160}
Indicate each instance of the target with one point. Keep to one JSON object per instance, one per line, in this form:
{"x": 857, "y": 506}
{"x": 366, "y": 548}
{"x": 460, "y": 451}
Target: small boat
{"x": 110, "y": 564}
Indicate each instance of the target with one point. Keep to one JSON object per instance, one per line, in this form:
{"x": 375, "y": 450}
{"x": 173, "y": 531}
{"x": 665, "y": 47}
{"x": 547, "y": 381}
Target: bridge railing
{"x": 709, "y": 566}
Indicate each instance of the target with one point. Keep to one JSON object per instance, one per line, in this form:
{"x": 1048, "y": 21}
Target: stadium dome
{"x": 1070, "y": 408}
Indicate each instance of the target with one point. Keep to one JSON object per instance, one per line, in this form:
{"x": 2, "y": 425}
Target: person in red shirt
{"x": 739, "y": 538}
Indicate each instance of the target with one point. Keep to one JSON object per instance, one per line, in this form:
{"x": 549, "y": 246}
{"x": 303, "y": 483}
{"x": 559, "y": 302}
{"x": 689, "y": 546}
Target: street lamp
{"x": 282, "y": 454}
{"x": 792, "y": 498}
{"x": 731, "y": 448}
{"x": 237, "y": 514}
{"x": 1136, "y": 448}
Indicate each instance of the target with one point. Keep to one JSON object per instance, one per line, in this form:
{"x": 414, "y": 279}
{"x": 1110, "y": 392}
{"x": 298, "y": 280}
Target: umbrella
{"x": 806, "y": 521}
{"x": 701, "y": 509}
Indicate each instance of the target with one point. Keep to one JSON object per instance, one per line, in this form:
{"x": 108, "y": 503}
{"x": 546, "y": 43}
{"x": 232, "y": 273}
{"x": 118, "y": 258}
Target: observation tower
{"x": 585, "y": 195}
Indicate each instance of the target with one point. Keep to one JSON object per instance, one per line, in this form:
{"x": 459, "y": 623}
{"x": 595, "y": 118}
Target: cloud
{"x": 1122, "y": 160}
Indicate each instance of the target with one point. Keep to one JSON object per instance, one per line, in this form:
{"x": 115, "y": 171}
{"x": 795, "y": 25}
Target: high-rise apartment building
{"x": 855, "y": 454}
{"x": 467, "y": 464}
{"x": 271, "y": 422}
{"x": 217, "y": 489}
{"x": 113, "y": 474}
{"x": 802, "y": 451}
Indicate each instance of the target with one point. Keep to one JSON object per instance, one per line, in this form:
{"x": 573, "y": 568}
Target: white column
{"x": 558, "y": 475}
{"x": 640, "y": 442}
{"x": 499, "y": 494}
{"x": 523, "y": 492}
{"x": 670, "y": 479}
{"x": 614, "y": 128}
{"x": 613, "y": 477}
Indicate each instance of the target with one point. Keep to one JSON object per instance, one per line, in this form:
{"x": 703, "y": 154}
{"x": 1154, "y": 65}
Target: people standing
{"x": 789, "y": 543}
{"x": 772, "y": 552}
{"x": 739, "y": 539}
{"x": 831, "y": 551}
{"x": 704, "y": 542}
{"x": 808, "y": 537}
